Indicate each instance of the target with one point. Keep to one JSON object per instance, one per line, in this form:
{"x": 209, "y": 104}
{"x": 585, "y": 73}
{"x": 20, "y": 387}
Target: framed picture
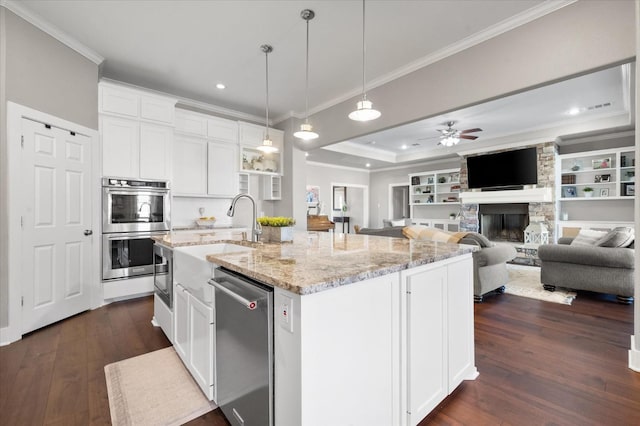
{"x": 602, "y": 163}
{"x": 605, "y": 178}
{"x": 430, "y": 180}
{"x": 604, "y": 192}
{"x": 569, "y": 191}
{"x": 339, "y": 198}
{"x": 313, "y": 195}
{"x": 630, "y": 190}
{"x": 455, "y": 177}
{"x": 597, "y": 179}
{"x": 415, "y": 180}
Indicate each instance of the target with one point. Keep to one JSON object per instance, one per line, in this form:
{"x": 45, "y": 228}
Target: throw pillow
{"x": 425, "y": 233}
{"x": 617, "y": 237}
{"x": 478, "y": 238}
{"x": 587, "y": 237}
{"x": 386, "y": 223}
{"x": 399, "y": 222}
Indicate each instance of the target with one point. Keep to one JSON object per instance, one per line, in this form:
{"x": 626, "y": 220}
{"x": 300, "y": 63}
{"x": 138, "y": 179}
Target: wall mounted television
{"x": 503, "y": 170}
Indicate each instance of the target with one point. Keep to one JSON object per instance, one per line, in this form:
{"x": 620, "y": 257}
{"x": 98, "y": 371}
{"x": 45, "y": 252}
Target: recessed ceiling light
{"x": 367, "y": 165}
{"x": 574, "y": 111}
{"x": 220, "y": 86}
{"x": 404, "y": 146}
{"x": 306, "y": 154}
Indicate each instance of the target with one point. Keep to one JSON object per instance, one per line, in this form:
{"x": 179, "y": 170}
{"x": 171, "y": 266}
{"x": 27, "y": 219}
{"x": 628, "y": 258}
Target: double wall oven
{"x": 133, "y": 211}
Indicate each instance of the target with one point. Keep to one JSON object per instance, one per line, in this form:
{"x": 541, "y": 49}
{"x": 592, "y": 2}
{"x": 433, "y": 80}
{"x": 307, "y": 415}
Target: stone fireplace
{"x": 504, "y": 222}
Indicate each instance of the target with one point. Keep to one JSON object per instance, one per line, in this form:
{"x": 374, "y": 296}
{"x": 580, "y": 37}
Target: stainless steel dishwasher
{"x": 244, "y": 348}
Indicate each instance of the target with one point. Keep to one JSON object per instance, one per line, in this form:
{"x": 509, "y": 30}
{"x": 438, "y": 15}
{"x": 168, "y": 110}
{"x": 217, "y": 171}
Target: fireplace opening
{"x": 504, "y": 222}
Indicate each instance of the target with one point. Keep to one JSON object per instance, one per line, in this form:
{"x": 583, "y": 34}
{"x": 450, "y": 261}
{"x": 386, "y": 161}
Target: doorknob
{"x": 88, "y": 232}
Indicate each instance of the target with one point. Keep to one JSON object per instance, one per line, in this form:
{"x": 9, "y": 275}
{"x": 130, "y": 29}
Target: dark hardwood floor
{"x": 540, "y": 364}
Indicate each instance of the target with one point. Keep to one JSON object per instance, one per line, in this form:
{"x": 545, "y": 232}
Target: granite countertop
{"x": 318, "y": 261}
{"x": 198, "y": 237}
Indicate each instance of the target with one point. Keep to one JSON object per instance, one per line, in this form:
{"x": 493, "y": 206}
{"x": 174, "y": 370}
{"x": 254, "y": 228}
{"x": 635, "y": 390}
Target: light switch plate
{"x": 285, "y": 313}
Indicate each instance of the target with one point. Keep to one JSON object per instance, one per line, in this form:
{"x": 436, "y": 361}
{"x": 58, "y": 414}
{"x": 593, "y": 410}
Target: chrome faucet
{"x": 256, "y": 228}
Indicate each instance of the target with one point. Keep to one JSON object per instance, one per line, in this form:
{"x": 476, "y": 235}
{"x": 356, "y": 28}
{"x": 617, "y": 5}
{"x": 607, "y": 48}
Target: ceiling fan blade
{"x": 471, "y": 131}
{"x": 471, "y": 138}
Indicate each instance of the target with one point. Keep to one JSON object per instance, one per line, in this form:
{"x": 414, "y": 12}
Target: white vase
{"x": 588, "y": 194}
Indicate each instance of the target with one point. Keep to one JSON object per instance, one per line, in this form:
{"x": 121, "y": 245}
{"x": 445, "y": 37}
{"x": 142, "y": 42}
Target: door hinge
{"x": 47, "y": 126}
{"x": 21, "y": 221}
{"x": 22, "y": 141}
{"x": 22, "y": 301}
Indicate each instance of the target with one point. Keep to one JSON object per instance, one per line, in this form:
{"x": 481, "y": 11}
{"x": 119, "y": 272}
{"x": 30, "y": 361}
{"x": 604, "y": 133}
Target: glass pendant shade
{"x": 306, "y": 132}
{"x": 449, "y": 141}
{"x": 267, "y": 146}
{"x": 364, "y": 111}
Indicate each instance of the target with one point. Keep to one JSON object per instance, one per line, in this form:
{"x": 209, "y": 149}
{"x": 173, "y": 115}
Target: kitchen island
{"x": 367, "y": 330}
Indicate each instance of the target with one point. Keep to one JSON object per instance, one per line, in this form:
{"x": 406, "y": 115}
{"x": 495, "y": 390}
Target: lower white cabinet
{"x": 194, "y": 338}
{"x": 439, "y": 334}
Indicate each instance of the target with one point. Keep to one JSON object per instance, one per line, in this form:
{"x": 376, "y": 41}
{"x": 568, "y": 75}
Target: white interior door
{"x": 56, "y": 253}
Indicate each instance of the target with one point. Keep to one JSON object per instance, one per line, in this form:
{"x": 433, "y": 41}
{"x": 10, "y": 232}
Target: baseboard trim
{"x": 8, "y": 336}
{"x": 634, "y": 355}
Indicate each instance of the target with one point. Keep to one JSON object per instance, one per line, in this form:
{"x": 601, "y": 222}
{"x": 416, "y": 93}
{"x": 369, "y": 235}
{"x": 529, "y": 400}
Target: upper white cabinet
{"x": 128, "y": 102}
{"x": 189, "y": 166}
{"x": 191, "y": 123}
{"x": 136, "y": 132}
{"x": 221, "y": 129}
{"x": 221, "y": 169}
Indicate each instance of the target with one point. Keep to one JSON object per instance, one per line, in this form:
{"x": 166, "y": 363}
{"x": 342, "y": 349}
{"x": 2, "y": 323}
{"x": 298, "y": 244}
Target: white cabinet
{"x": 191, "y": 123}
{"x": 120, "y": 147}
{"x": 136, "y": 133}
{"x": 438, "y": 333}
{"x": 436, "y": 187}
{"x": 194, "y": 338}
{"x": 271, "y": 187}
{"x": 222, "y": 129}
{"x": 221, "y": 169}
{"x": 156, "y": 143}
{"x": 189, "y": 166}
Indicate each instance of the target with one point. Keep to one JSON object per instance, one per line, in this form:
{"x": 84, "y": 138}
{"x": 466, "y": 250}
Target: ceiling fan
{"x": 451, "y": 136}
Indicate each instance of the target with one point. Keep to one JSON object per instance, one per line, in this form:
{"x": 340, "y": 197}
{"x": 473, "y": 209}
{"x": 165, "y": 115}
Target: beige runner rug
{"x": 525, "y": 281}
{"x": 153, "y": 389}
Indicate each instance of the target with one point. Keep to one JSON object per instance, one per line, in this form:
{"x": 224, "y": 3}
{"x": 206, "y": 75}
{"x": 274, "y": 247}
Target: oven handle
{"x": 146, "y": 191}
{"x": 132, "y": 236}
{"x": 249, "y": 304}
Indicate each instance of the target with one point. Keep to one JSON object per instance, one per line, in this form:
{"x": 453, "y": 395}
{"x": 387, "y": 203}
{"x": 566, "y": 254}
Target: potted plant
{"x": 588, "y": 191}
{"x": 277, "y": 229}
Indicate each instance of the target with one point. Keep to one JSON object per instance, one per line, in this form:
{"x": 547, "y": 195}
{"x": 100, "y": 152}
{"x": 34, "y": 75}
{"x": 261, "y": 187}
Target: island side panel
{"x": 349, "y": 357}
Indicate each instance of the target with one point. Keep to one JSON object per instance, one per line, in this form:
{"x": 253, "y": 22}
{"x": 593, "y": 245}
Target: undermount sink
{"x": 202, "y": 251}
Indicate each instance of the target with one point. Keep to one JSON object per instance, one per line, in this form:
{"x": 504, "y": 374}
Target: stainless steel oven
{"x": 130, "y": 254}
{"x": 135, "y": 206}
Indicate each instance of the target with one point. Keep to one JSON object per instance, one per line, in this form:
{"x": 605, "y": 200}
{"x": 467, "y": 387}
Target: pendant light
{"x": 364, "y": 110}
{"x": 306, "y": 132}
{"x": 267, "y": 144}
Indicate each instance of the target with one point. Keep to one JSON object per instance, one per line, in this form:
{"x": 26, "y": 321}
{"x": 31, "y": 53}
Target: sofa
{"x": 489, "y": 263}
{"x": 590, "y": 267}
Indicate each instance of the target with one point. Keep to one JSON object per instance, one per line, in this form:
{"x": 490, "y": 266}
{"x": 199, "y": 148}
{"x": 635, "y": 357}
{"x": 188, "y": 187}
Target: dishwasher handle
{"x": 249, "y": 304}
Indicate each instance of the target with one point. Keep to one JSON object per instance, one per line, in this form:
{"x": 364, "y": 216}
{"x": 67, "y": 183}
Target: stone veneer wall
{"x": 538, "y": 212}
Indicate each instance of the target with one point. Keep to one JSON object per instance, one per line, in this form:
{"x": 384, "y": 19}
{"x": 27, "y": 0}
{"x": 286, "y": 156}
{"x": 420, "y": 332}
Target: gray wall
{"x": 39, "y": 72}
{"x": 379, "y": 187}
{"x": 581, "y": 37}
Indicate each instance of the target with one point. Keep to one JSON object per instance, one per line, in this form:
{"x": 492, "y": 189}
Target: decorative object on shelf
{"x": 277, "y": 229}
{"x": 623, "y": 161}
{"x": 597, "y": 178}
{"x": 629, "y": 175}
{"x": 605, "y": 178}
{"x": 364, "y": 110}
{"x": 536, "y": 233}
{"x": 430, "y": 199}
{"x": 588, "y": 191}
{"x": 442, "y": 179}
{"x": 306, "y": 132}
{"x": 565, "y": 216}
{"x": 455, "y": 177}
{"x": 430, "y": 180}
{"x": 415, "y": 180}
{"x": 569, "y": 192}
{"x": 452, "y": 216}
{"x": 568, "y": 179}
{"x": 455, "y": 188}
{"x": 267, "y": 143}
{"x": 603, "y": 163}
{"x": 575, "y": 167}
{"x": 604, "y": 192}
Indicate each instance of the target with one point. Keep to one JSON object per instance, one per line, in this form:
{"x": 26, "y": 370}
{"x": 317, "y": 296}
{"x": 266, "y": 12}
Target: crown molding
{"x": 335, "y": 166}
{"x": 365, "y": 151}
{"x": 55, "y": 32}
{"x": 515, "y": 21}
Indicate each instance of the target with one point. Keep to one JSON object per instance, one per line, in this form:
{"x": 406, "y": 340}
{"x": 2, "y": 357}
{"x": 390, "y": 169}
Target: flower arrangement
{"x": 277, "y": 221}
